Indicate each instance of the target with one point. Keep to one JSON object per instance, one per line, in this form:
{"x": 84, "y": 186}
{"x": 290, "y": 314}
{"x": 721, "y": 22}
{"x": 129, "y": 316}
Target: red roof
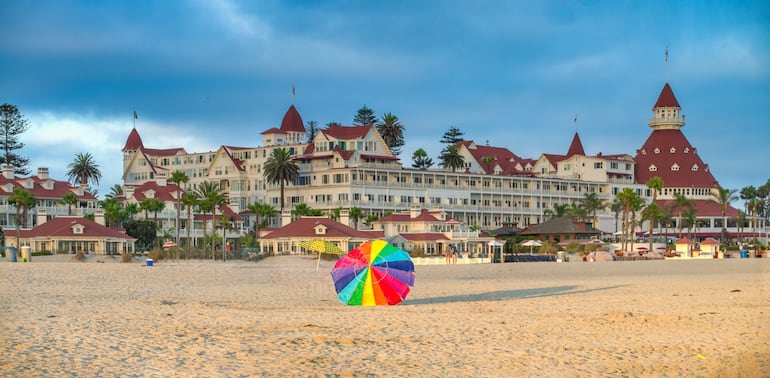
{"x": 134, "y": 141}
{"x": 709, "y": 241}
{"x": 576, "y": 147}
{"x": 163, "y": 152}
{"x": 39, "y": 190}
{"x": 347, "y": 132}
{"x": 63, "y": 227}
{"x": 425, "y": 215}
{"x": 703, "y": 208}
{"x": 666, "y": 98}
{"x": 230, "y": 213}
{"x": 292, "y": 121}
{"x": 502, "y": 157}
{"x": 426, "y": 236}
{"x": 304, "y": 227}
{"x": 273, "y": 130}
{"x": 673, "y": 149}
{"x": 165, "y": 193}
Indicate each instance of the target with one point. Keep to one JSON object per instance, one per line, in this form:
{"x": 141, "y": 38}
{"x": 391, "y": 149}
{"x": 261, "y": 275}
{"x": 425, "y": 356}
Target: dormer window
{"x": 672, "y": 150}
{"x": 675, "y": 167}
{"x": 686, "y": 150}
{"x": 657, "y": 150}
{"x": 77, "y": 229}
{"x": 644, "y": 152}
{"x": 653, "y": 168}
{"x": 320, "y": 229}
{"x": 694, "y": 168}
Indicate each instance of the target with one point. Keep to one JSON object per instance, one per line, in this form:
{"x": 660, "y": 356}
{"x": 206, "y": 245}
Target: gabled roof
{"x": 666, "y": 98}
{"x": 346, "y": 132}
{"x": 63, "y": 226}
{"x": 703, "y": 208}
{"x": 304, "y": 227}
{"x": 164, "y": 151}
{"x": 134, "y": 141}
{"x": 230, "y": 213}
{"x": 273, "y": 130}
{"x": 558, "y": 226}
{"x": 676, "y": 161}
{"x": 424, "y": 216}
{"x": 292, "y": 121}
{"x": 57, "y": 189}
{"x": 576, "y": 147}
{"x": 165, "y": 193}
{"x": 423, "y": 236}
{"x": 502, "y": 157}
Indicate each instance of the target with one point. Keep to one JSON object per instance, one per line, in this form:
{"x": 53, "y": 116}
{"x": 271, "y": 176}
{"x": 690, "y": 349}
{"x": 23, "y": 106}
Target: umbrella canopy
{"x": 531, "y": 243}
{"x": 321, "y": 246}
{"x": 169, "y": 244}
{"x": 375, "y": 273}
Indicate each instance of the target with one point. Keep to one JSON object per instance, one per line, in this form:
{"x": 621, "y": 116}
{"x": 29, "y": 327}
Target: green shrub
{"x": 126, "y": 257}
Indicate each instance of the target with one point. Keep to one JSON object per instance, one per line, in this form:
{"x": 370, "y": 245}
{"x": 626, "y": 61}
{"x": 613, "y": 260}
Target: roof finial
{"x": 666, "y": 64}
{"x": 135, "y": 117}
{"x": 293, "y": 93}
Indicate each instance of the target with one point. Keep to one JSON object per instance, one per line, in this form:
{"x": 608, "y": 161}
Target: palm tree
{"x": 627, "y": 198}
{"x": 69, "y": 199}
{"x": 656, "y": 184}
{"x": 115, "y": 191}
{"x": 724, "y": 197}
{"x": 451, "y": 158}
{"x": 301, "y": 210}
{"x": 616, "y": 207}
{"x": 178, "y": 177}
{"x": 131, "y": 209}
{"x": 111, "y": 211}
{"x": 392, "y": 132}
{"x": 592, "y": 204}
{"x": 211, "y": 199}
{"x": 651, "y": 213}
{"x": 558, "y": 211}
{"x": 681, "y": 203}
{"x": 83, "y": 170}
{"x": 355, "y": 215}
{"x": 189, "y": 200}
{"x": 335, "y": 213}
{"x": 281, "y": 168}
{"x": 23, "y": 200}
{"x": 749, "y": 196}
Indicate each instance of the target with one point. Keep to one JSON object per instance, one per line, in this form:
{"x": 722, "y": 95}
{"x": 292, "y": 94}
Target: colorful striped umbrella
{"x": 375, "y": 273}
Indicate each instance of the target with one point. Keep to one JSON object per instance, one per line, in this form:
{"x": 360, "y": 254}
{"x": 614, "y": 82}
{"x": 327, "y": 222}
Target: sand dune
{"x": 279, "y": 317}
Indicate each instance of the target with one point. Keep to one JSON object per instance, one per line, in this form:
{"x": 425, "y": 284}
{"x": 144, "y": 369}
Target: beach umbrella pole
{"x": 319, "y": 261}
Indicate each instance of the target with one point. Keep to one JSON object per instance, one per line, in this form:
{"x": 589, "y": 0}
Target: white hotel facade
{"x": 351, "y": 166}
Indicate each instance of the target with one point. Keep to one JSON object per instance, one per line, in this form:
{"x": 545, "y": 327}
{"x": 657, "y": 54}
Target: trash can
{"x": 560, "y": 256}
{"x": 10, "y": 253}
{"x": 149, "y": 262}
{"x": 744, "y": 254}
{"x": 26, "y": 253}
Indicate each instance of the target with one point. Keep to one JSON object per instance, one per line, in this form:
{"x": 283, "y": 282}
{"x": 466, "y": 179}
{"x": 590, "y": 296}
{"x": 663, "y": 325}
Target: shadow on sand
{"x": 506, "y": 294}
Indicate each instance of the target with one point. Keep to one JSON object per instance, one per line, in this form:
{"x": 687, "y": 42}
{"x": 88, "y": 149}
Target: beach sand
{"x": 279, "y": 317}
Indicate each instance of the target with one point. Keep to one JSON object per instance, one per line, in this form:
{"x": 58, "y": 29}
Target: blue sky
{"x": 201, "y": 74}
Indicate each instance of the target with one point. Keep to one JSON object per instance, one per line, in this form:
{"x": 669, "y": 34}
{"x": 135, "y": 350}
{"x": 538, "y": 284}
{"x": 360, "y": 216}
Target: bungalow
{"x": 287, "y": 239}
{"x": 560, "y": 230}
{"x": 70, "y": 234}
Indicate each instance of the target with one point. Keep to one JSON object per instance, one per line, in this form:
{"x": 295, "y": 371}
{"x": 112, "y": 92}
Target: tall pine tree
{"x": 364, "y": 116}
{"x": 12, "y": 124}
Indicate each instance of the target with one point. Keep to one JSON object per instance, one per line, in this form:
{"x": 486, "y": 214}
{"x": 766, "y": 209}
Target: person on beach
{"x": 454, "y": 254}
{"x": 448, "y": 254}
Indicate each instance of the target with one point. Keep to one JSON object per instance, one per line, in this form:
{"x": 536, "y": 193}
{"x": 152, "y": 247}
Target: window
{"x": 672, "y": 150}
{"x": 598, "y": 165}
{"x": 675, "y": 167}
{"x": 653, "y": 168}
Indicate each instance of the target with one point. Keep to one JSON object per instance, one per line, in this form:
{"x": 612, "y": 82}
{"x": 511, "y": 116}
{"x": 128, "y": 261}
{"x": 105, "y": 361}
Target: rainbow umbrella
{"x": 375, "y": 273}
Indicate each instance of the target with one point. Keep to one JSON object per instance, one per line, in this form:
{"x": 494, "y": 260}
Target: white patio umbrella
{"x": 531, "y": 243}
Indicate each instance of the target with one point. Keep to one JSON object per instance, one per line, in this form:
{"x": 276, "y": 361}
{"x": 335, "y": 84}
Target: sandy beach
{"x": 279, "y": 317}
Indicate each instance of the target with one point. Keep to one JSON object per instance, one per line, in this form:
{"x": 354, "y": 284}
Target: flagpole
{"x": 666, "y": 64}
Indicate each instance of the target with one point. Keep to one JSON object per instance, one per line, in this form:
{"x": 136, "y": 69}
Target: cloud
{"x": 53, "y": 140}
{"x": 236, "y": 21}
